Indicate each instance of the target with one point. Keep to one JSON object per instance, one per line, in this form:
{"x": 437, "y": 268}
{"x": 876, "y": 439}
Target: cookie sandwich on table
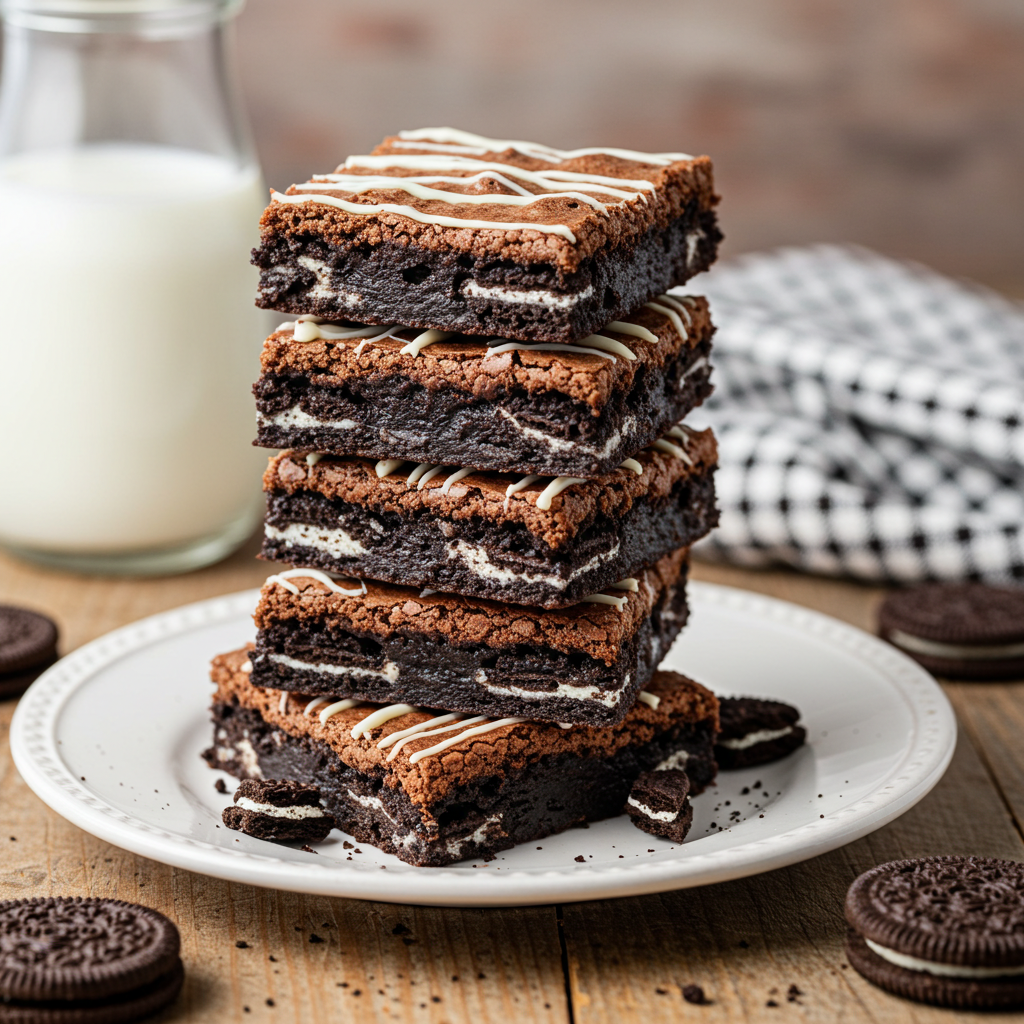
{"x": 487, "y": 495}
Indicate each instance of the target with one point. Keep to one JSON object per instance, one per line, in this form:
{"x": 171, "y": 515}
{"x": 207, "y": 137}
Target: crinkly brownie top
{"x": 590, "y": 372}
{"x": 494, "y": 199}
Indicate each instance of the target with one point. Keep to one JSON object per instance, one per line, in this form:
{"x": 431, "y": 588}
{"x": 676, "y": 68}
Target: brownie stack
{"x": 487, "y": 493}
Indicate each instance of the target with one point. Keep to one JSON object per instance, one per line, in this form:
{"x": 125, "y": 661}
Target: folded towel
{"x": 870, "y": 417}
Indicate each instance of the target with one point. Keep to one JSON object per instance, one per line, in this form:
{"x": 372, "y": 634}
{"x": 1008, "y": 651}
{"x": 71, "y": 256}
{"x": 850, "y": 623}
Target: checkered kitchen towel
{"x": 870, "y": 416}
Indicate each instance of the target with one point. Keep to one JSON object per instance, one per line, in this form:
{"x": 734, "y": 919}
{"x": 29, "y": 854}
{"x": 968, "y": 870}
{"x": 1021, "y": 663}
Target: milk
{"x": 128, "y": 345}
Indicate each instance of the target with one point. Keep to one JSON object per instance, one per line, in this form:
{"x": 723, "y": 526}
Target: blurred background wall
{"x": 895, "y": 123}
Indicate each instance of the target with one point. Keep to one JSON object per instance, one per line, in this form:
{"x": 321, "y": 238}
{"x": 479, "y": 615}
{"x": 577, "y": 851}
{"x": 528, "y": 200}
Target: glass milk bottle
{"x": 129, "y": 201}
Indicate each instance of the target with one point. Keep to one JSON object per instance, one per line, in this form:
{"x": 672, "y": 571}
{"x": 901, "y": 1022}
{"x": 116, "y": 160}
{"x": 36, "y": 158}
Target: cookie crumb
{"x": 580, "y": 859}
{"x": 241, "y": 944}
{"x": 220, "y": 786}
{"x": 695, "y": 994}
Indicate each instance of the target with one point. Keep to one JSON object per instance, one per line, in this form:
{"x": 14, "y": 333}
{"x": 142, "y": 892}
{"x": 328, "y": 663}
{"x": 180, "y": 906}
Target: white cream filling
{"x": 292, "y": 813}
{"x": 963, "y": 652}
{"x": 296, "y": 417}
{"x": 389, "y": 672}
{"x": 560, "y": 444}
{"x": 335, "y": 542}
{"x": 324, "y": 287}
{"x": 592, "y": 694}
{"x": 533, "y": 297}
{"x": 478, "y": 561}
{"x": 478, "y": 835}
{"x": 246, "y": 753}
{"x": 761, "y": 736}
{"x": 673, "y": 762}
{"x": 653, "y": 815}
{"x": 692, "y": 241}
{"x": 912, "y": 963}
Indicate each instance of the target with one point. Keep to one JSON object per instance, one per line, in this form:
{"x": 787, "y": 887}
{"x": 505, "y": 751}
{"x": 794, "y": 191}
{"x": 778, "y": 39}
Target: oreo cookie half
{"x": 958, "y": 630}
{"x": 28, "y": 644}
{"x": 754, "y": 731}
{"x": 79, "y": 961}
{"x": 281, "y": 811}
{"x": 942, "y": 930}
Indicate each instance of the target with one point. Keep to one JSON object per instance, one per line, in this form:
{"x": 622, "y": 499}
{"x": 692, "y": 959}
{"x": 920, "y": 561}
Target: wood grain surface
{"x": 766, "y": 948}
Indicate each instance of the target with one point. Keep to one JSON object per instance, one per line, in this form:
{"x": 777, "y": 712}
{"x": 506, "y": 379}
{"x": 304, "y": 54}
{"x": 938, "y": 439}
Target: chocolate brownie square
{"x": 385, "y": 643}
{"x": 531, "y": 540}
{"x": 438, "y": 788}
{"x": 441, "y": 229}
{"x": 508, "y": 406}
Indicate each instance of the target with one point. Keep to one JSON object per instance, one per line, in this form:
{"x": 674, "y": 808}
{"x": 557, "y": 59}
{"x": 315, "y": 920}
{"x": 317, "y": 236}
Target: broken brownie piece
{"x": 507, "y": 406}
{"x": 438, "y": 788}
{"x": 539, "y": 541}
{"x": 385, "y": 643}
{"x": 756, "y": 731}
{"x": 442, "y": 229}
{"x": 282, "y": 811}
{"x": 659, "y": 804}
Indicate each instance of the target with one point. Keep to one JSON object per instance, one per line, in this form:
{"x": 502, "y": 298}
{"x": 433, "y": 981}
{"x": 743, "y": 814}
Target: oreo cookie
{"x": 281, "y": 811}
{"x": 28, "y": 645}
{"x": 942, "y": 930}
{"x": 80, "y": 961}
{"x": 754, "y": 731}
{"x": 958, "y": 630}
{"x": 658, "y": 804}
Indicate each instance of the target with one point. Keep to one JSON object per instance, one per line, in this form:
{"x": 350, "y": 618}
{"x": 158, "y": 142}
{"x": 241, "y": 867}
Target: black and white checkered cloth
{"x": 870, "y": 417}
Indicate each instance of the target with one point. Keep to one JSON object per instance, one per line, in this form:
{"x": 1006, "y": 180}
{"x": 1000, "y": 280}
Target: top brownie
{"x": 442, "y": 229}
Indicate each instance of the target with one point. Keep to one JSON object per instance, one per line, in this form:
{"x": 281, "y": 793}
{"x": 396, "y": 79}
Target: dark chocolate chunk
{"x": 280, "y": 811}
{"x": 658, "y": 804}
{"x": 959, "y": 630}
{"x": 755, "y": 731}
{"x": 940, "y": 929}
{"x": 85, "y": 960}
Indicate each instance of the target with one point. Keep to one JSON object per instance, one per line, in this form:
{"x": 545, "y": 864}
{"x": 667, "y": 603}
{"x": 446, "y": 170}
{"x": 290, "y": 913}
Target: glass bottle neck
{"x": 66, "y": 89}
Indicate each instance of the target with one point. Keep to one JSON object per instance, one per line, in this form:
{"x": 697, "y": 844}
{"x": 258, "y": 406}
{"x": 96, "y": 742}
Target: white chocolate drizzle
{"x": 621, "y": 188}
{"x": 282, "y": 578}
{"x": 650, "y": 699}
{"x": 315, "y": 328}
{"x": 457, "y": 138}
{"x": 364, "y": 209}
{"x": 633, "y": 465}
{"x": 476, "y": 731}
{"x": 455, "y": 478}
{"x": 337, "y": 706}
{"x": 282, "y": 704}
{"x": 630, "y": 583}
{"x": 313, "y": 704}
{"x": 377, "y": 718}
{"x": 617, "y": 602}
{"x": 424, "y": 340}
{"x": 553, "y": 346}
{"x": 246, "y": 667}
{"x": 676, "y": 309}
{"x": 387, "y": 466}
{"x": 559, "y": 484}
{"x": 634, "y": 330}
{"x": 356, "y": 184}
{"x": 313, "y": 458}
{"x": 459, "y": 722}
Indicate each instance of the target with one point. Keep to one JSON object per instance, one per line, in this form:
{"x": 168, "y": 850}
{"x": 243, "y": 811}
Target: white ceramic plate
{"x": 110, "y": 738}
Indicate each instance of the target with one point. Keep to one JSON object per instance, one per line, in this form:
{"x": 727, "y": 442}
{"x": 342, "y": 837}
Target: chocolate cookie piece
{"x": 281, "y": 811}
{"x": 942, "y": 930}
{"x": 756, "y": 731}
{"x": 28, "y": 644}
{"x": 84, "y": 960}
{"x": 958, "y": 630}
{"x": 659, "y": 804}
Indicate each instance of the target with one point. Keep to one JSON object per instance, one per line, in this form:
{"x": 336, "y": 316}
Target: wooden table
{"x": 248, "y": 952}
